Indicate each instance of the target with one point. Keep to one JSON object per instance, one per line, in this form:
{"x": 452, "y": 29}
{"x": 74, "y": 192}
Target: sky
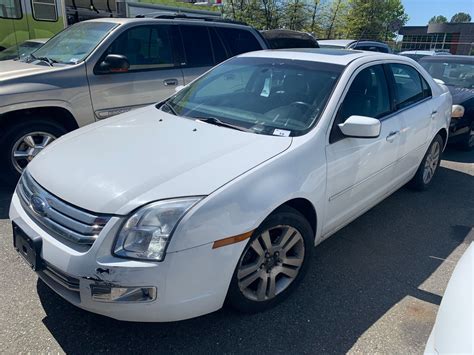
{"x": 420, "y": 11}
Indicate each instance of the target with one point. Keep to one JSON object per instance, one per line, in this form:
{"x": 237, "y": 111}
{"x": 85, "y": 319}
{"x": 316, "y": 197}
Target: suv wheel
{"x": 273, "y": 262}
{"x": 21, "y": 143}
{"x": 468, "y": 140}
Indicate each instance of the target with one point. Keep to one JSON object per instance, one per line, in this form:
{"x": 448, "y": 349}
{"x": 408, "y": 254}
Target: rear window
{"x": 239, "y": 41}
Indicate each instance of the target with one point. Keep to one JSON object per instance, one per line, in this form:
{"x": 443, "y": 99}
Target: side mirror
{"x": 114, "y": 63}
{"x": 178, "y": 88}
{"x": 361, "y": 127}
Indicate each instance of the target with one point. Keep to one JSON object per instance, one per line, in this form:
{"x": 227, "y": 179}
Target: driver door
{"x": 153, "y": 75}
{"x": 360, "y": 170}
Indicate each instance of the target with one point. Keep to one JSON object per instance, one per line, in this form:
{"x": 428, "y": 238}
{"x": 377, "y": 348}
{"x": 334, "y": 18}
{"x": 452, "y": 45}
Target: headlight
{"x": 146, "y": 234}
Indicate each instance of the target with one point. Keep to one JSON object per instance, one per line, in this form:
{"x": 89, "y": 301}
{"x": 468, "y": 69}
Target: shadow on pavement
{"x": 355, "y": 278}
{"x": 6, "y": 193}
{"x": 452, "y": 153}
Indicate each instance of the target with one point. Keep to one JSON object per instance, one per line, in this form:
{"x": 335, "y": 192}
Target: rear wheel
{"x": 273, "y": 262}
{"x": 22, "y": 142}
{"x": 428, "y": 166}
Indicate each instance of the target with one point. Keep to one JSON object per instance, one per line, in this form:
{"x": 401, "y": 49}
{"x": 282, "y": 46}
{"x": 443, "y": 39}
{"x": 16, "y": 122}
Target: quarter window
{"x": 197, "y": 46}
{"x": 408, "y": 87}
{"x": 239, "y": 41}
{"x": 367, "y": 96}
{"x": 44, "y": 10}
{"x": 146, "y": 47}
{"x": 10, "y": 9}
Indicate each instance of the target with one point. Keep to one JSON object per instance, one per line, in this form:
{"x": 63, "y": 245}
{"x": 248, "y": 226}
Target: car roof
{"x": 337, "y": 42}
{"x": 449, "y": 58}
{"x": 325, "y": 55}
{"x": 151, "y": 20}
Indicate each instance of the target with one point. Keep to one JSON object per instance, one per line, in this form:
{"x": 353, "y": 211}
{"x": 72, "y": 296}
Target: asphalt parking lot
{"x": 375, "y": 286}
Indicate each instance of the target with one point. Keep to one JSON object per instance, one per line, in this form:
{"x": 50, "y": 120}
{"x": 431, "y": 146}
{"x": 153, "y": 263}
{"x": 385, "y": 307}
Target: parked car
{"x": 457, "y": 72}
{"x": 96, "y": 69}
{"x": 452, "y": 331}
{"x": 283, "y": 39}
{"x": 23, "y": 49}
{"x": 363, "y": 45}
{"x": 417, "y": 55}
{"x": 163, "y": 213}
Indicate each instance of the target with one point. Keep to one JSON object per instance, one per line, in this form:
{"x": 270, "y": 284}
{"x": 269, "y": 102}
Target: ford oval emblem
{"x": 38, "y": 204}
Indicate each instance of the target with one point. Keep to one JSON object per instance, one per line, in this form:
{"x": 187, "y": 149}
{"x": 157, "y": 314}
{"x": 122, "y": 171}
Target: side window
{"x": 239, "y": 41}
{"x": 426, "y": 88}
{"x": 10, "y": 9}
{"x": 367, "y": 96}
{"x": 197, "y": 46}
{"x": 44, "y": 10}
{"x": 408, "y": 88}
{"x": 217, "y": 46}
{"x": 146, "y": 47}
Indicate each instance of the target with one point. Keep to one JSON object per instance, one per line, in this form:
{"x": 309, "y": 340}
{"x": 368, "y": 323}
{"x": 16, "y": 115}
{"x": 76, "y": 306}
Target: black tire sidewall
{"x": 417, "y": 182}
{"x": 9, "y": 174}
{"x": 286, "y": 216}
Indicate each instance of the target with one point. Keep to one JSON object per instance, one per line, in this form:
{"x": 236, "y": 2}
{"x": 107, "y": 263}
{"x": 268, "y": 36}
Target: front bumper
{"x": 189, "y": 283}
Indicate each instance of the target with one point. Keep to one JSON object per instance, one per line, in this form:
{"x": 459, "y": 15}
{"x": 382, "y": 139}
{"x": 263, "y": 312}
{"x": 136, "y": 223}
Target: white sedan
{"x": 221, "y": 192}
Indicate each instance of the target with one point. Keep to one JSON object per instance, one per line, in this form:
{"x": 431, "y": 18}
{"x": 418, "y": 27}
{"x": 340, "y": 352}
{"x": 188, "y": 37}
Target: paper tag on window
{"x": 281, "y": 133}
{"x": 266, "y": 88}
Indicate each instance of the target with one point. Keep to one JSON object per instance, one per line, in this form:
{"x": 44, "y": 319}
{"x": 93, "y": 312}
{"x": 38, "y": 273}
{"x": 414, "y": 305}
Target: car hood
{"x": 460, "y": 95}
{"x": 146, "y": 155}
{"x": 10, "y": 69}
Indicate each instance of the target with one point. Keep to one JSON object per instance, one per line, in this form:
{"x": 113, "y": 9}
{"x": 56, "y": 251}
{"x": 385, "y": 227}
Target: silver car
{"x": 99, "y": 68}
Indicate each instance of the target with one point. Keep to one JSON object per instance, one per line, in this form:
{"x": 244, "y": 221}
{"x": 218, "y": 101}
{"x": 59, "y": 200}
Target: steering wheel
{"x": 301, "y": 103}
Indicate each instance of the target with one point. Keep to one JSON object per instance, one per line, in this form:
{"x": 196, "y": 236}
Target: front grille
{"x": 57, "y": 217}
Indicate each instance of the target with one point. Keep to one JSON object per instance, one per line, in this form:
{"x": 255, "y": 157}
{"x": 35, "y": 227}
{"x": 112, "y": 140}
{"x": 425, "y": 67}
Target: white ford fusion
{"x": 220, "y": 193}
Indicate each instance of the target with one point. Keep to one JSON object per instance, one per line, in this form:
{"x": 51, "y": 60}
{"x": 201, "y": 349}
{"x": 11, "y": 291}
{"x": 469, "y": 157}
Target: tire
{"x": 39, "y": 129}
{"x": 428, "y": 166}
{"x": 467, "y": 142}
{"x": 285, "y": 225}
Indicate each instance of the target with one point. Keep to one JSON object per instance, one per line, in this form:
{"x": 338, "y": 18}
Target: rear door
{"x": 415, "y": 108}
{"x": 153, "y": 75}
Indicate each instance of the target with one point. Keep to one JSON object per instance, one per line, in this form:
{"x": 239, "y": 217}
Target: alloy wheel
{"x": 270, "y": 263}
{"x": 432, "y": 162}
{"x": 27, "y": 147}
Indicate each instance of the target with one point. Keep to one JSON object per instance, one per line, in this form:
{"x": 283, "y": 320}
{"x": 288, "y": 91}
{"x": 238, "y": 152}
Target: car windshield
{"x": 262, "y": 95}
{"x": 74, "y": 43}
{"x": 20, "y": 51}
{"x": 458, "y": 74}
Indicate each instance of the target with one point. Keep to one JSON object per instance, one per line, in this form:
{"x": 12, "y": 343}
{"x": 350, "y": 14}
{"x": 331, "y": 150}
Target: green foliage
{"x": 460, "y": 17}
{"x": 373, "y": 19}
{"x": 438, "y": 19}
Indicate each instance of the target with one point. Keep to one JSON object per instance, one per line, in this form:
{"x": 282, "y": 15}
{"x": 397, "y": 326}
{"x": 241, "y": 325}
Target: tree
{"x": 460, "y": 17}
{"x": 438, "y": 19}
{"x": 374, "y": 19}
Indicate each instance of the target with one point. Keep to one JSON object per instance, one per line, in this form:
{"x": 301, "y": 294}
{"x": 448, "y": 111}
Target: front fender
{"x": 241, "y": 205}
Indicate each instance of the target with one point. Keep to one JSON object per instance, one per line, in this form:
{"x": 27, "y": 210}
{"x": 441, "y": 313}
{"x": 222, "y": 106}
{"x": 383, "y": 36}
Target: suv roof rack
{"x": 198, "y": 17}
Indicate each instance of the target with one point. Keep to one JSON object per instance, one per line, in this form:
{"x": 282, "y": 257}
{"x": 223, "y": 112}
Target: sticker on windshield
{"x": 281, "y": 133}
{"x": 266, "y": 87}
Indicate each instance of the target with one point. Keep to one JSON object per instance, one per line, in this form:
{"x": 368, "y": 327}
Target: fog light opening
{"x": 108, "y": 293}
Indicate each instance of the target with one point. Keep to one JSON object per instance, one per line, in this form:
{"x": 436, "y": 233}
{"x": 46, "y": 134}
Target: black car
{"x": 457, "y": 72}
{"x": 281, "y": 39}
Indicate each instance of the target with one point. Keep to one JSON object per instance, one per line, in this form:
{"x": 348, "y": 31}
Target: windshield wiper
{"x": 44, "y": 59}
{"x": 171, "y": 108}
{"x": 217, "y": 122}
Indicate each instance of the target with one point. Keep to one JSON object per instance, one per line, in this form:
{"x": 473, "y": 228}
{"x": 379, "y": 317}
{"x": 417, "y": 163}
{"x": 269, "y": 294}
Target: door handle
{"x": 433, "y": 114}
{"x": 170, "y": 82}
{"x": 391, "y": 136}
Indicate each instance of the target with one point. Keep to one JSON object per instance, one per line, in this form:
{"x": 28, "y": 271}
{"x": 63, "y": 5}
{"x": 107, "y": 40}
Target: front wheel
{"x": 428, "y": 166}
{"x": 22, "y": 142}
{"x": 273, "y": 262}
{"x": 468, "y": 139}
